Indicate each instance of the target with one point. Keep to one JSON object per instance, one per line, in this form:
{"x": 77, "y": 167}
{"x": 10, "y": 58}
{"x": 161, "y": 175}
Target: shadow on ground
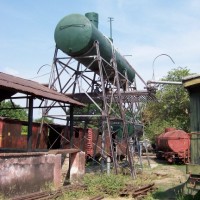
{"x": 175, "y": 193}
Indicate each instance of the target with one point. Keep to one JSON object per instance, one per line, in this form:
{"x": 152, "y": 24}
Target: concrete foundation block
{"x": 77, "y": 166}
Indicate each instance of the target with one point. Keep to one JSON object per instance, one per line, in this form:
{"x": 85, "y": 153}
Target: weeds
{"x": 48, "y": 186}
{"x": 99, "y": 184}
{"x": 103, "y": 183}
{"x": 2, "y": 197}
{"x": 180, "y": 196}
{"x": 72, "y": 195}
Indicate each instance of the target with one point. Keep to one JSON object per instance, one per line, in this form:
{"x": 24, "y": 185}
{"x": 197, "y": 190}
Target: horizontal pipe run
{"x": 164, "y": 82}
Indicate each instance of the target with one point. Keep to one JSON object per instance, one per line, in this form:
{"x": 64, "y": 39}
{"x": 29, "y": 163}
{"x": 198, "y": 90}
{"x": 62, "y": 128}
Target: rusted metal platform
{"x": 130, "y": 96}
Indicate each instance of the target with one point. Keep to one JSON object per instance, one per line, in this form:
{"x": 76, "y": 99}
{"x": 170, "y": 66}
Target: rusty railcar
{"x": 173, "y": 145}
{"x": 13, "y": 134}
{"x": 13, "y": 137}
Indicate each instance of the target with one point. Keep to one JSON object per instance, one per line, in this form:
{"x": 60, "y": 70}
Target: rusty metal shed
{"x": 11, "y": 85}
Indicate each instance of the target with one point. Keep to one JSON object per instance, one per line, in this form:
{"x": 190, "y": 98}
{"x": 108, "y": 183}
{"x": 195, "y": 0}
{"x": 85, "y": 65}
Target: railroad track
{"x": 49, "y": 194}
{"x": 143, "y": 190}
{"x": 130, "y": 190}
{"x": 97, "y": 198}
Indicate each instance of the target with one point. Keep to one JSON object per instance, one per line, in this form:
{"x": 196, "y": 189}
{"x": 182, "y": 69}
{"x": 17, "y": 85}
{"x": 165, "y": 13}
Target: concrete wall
{"x": 28, "y": 172}
{"x": 22, "y": 173}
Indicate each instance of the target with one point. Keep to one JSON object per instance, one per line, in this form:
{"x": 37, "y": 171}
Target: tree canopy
{"x": 46, "y": 120}
{"x": 20, "y": 114}
{"x": 90, "y": 109}
{"x": 172, "y": 108}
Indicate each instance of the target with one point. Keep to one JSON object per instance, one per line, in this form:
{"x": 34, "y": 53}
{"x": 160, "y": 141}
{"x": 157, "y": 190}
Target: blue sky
{"x": 142, "y": 28}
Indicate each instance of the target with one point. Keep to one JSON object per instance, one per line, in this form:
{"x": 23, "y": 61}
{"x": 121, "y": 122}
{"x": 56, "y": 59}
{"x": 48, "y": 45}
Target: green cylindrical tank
{"x": 75, "y": 35}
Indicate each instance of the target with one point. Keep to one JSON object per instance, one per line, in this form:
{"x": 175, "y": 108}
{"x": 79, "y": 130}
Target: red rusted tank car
{"x": 173, "y": 145}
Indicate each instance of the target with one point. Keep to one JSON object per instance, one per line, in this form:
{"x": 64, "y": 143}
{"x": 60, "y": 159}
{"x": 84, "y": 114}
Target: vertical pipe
{"x": 71, "y": 125}
{"x": 103, "y": 146}
{"x": 140, "y": 154}
{"x": 147, "y": 153}
{"x": 30, "y": 123}
{"x": 108, "y": 165}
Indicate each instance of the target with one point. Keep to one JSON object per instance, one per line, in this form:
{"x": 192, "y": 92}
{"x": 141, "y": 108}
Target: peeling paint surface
{"x": 20, "y": 175}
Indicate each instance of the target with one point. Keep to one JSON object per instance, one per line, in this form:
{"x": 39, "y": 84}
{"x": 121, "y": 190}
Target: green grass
{"x": 99, "y": 184}
{"x": 110, "y": 186}
{"x": 175, "y": 193}
{"x": 105, "y": 185}
{"x": 2, "y": 197}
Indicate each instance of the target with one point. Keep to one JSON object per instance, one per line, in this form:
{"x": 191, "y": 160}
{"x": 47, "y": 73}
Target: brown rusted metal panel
{"x": 12, "y": 136}
{"x": 15, "y": 84}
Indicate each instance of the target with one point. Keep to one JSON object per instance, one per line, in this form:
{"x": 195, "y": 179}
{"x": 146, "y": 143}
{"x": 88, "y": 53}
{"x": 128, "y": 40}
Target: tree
{"x": 46, "y": 120}
{"x": 172, "y": 108}
{"x": 90, "y": 109}
{"x": 19, "y": 114}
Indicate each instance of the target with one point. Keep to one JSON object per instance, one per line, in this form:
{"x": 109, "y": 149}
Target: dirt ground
{"x": 168, "y": 178}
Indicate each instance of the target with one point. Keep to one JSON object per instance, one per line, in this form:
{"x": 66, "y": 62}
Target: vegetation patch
{"x": 111, "y": 186}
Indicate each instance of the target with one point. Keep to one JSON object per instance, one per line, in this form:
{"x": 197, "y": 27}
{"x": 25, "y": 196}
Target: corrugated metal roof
{"x": 191, "y": 81}
{"x": 15, "y": 84}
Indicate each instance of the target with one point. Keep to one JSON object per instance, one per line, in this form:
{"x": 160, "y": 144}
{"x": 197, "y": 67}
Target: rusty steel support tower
{"x": 116, "y": 100}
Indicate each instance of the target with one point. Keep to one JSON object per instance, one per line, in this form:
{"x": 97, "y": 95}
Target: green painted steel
{"x": 118, "y": 128}
{"x": 192, "y": 169}
{"x": 93, "y": 17}
{"x": 75, "y": 35}
{"x": 195, "y": 109}
{"x": 192, "y": 84}
{"x": 195, "y": 124}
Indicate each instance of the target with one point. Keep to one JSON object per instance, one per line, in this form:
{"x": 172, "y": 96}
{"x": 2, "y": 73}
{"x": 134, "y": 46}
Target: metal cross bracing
{"x": 116, "y": 99}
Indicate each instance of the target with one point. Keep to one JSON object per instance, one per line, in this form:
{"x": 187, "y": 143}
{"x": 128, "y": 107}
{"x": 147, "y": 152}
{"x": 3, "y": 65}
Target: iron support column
{"x": 71, "y": 125}
{"x": 103, "y": 146}
{"x": 30, "y": 123}
{"x": 105, "y": 114}
{"x": 122, "y": 112}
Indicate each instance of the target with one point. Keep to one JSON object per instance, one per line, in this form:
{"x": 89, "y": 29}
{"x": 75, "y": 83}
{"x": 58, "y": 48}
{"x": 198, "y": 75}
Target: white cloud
{"x": 11, "y": 71}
